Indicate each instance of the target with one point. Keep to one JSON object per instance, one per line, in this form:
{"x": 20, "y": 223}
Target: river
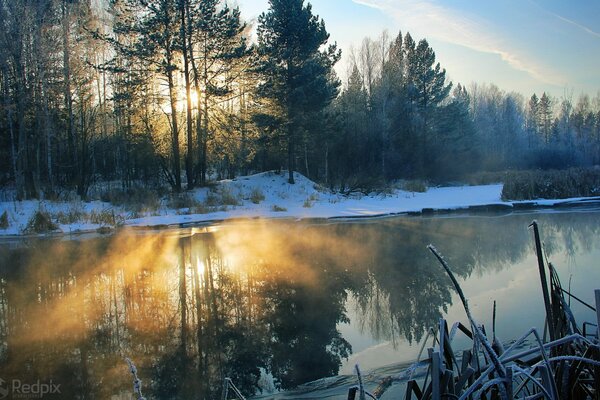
{"x": 301, "y": 300}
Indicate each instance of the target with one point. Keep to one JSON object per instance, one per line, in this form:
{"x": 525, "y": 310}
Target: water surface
{"x": 303, "y": 301}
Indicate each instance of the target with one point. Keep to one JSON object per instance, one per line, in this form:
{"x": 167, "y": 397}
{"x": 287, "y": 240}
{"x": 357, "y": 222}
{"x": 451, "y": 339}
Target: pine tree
{"x": 297, "y": 74}
{"x": 533, "y": 116}
{"x": 351, "y": 142}
{"x": 427, "y": 89}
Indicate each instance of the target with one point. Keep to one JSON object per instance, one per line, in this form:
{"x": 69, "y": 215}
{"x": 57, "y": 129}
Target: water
{"x": 304, "y": 301}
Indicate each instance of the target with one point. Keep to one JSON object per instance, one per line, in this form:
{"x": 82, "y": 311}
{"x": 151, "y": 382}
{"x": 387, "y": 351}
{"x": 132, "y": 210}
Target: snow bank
{"x": 265, "y": 195}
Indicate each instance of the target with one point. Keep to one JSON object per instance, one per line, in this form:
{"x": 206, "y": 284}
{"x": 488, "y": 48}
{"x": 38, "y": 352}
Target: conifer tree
{"x": 297, "y": 75}
{"x": 545, "y": 117}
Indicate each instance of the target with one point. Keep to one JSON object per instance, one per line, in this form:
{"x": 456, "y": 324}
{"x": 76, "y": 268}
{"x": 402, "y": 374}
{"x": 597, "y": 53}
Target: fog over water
{"x": 301, "y": 300}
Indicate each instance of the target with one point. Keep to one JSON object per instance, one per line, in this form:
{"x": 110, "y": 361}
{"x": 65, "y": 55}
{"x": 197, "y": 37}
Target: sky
{"x": 525, "y": 46}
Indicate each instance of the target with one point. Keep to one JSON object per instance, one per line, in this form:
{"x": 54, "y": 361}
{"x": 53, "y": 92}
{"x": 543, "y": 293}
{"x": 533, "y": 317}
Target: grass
{"x": 552, "y": 184}
{"x": 308, "y": 203}
{"x": 257, "y": 195}
{"x": 222, "y": 196}
{"x": 4, "y": 220}
{"x": 40, "y": 222}
{"x": 105, "y": 217}
{"x": 74, "y": 214}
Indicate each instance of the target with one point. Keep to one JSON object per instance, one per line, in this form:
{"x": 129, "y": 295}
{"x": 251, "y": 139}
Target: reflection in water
{"x": 191, "y": 309}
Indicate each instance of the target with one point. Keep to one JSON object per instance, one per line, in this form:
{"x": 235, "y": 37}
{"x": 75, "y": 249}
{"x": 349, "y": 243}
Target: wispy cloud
{"x": 578, "y": 25}
{"x": 433, "y": 20}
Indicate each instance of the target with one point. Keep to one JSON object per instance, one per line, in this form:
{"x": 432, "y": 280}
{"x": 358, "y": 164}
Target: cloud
{"x": 578, "y": 25}
{"x": 442, "y": 23}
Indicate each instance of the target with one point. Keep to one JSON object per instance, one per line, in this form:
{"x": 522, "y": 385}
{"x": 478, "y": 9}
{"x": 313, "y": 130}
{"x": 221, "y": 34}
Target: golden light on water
{"x": 237, "y": 286}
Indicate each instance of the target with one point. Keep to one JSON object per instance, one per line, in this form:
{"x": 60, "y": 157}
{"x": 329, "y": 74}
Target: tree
{"x": 297, "y": 75}
{"x": 155, "y": 39}
{"x": 218, "y": 50}
{"x": 545, "y": 117}
{"x": 428, "y": 83}
{"x": 351, "y": 143}
{"x": 532, "y": 122}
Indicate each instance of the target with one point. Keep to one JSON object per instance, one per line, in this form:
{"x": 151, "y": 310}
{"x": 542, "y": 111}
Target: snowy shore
{"x": 268, "y": 195}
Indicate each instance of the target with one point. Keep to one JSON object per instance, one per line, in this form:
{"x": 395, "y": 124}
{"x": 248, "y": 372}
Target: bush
{"x": 363, "y": 183}
{"x": 414, "y": 186}
{"x": 256, "y": 196}
{"x": 277, "y": 208}
{"x": 184, "y": 200}
{"x": 40, "y": 222}
{"x": 222, "y": 196}
{"x": 561, "y": 184}
{"x": 4, "y": 220}
{"x": 228, "y": 198}
{"x": 135, "y": 199}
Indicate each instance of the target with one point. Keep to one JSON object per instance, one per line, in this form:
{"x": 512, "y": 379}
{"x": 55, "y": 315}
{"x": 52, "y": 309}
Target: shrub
{"x": 277, "y": 208}
{"x": 184, "y": 200}
{"x": 40, "y": 222}
{"x": 256, "y": 196}
{"x": 363, "y": 183}
{"x": 414, "y": 186}
{"x": 200, "y": 209}
{"x": 222, "y": 196}
{"x": 4, "y": 220}
{"x": 135, "y": 199}
{"x": 228, "y": 198}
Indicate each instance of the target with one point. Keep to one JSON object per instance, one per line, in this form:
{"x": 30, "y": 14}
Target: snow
{"x": 303, "y": 200}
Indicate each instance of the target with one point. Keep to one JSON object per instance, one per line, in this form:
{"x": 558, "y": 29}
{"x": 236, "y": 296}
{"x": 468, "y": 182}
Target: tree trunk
{"x": 9, "y": 121}
{"x": 189, "y": 157}
{"x": 174, "y": 128}
{"x": 67, "y": 92}
{"x": 291, "y": 160}
{"x": 290, "y": 128}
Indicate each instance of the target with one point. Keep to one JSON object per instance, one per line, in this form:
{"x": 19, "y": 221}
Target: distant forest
{"x": 175, "y": 93}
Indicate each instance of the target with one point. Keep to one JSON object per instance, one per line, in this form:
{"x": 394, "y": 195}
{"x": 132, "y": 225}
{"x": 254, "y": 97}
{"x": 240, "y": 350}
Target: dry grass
{"x": 553, "y": 184}
{"x": 40, "y": 222}
{"x": 4, "y": 220}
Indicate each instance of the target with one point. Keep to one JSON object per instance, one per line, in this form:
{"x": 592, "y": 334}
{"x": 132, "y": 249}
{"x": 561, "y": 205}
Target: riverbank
{"x": 265, "y": 195}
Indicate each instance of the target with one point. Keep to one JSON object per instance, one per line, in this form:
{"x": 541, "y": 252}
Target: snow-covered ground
{"x": 265, "y": 195}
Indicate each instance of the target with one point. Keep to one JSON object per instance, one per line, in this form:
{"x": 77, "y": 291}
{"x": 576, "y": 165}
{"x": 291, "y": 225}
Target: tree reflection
{"x": 191, "y": 310}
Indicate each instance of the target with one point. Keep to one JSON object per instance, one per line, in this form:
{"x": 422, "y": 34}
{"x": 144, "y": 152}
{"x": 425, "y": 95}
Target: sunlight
{"x": 200, "y": 267}
{"x": 195, "y": 98}
{"x": 182, "y": 97}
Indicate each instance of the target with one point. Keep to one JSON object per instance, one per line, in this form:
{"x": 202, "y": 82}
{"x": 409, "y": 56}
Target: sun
{"x": 182, "y": 97}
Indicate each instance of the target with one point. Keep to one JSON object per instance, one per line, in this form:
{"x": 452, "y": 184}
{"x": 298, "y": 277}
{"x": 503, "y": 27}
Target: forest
{"x": 178, "y": 93}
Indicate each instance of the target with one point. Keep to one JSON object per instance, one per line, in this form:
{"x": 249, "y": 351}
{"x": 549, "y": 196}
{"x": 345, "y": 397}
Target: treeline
{"x": 175, "y": 92}
{"x": 403, "y": 119}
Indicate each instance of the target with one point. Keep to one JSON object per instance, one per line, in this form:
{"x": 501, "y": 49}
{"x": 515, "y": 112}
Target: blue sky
{"x": 520, "y": 45}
